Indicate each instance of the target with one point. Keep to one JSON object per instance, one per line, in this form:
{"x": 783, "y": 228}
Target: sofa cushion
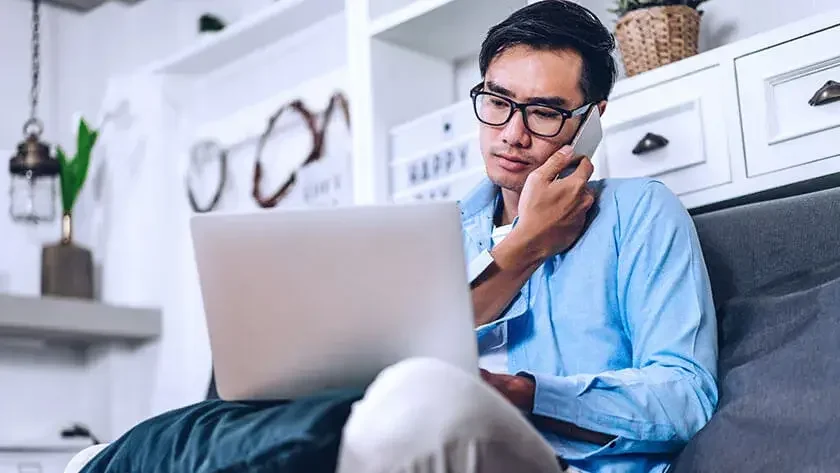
{"x": 779, "y": 380}
{"x": 750, "y": 245}
{"x": 234, "y": 437}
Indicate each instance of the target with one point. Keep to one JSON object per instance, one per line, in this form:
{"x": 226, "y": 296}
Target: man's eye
{"x": 549, "y": 114}
{"x": 498, "y": 103}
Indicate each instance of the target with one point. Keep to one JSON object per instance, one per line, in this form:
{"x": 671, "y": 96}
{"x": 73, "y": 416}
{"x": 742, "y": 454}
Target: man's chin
{"x": 507, "y": 180}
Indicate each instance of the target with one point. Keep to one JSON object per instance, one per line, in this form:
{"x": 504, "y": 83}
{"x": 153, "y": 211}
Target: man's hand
{"x": 552, "y": 215}
{"x": 518, "y": 390}
{"x": 552, "y": 212}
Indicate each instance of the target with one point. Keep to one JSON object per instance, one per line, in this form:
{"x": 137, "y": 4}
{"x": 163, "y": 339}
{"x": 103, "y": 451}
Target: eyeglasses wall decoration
{"x": 331, "y": 183}
{"x": 201, "y": 153}
{"x": 208, "y": 150}
{"x": 273, "y": 199}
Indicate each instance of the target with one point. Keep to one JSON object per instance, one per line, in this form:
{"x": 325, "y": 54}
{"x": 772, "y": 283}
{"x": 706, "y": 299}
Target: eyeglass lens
{"x": 496, "y": 111}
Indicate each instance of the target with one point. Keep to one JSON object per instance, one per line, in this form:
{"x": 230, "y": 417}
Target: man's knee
{"x": 425, "y": 381}
{"x": 423, "y": 409}
{"x": 422, "y": 403}
{"x": 418, "y": 396}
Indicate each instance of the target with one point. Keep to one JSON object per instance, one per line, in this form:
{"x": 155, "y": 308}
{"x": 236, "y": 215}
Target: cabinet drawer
{"x": 455, "y": 157}
{"x": 783, "y": 125}
{"x": 430, "y": 130}
{"x": 673, "y": 132}
{"x": 455, "y": 187}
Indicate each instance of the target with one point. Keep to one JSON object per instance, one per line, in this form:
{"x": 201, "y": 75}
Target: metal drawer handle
{"x": 827, "y": 94}
{"x": 651, "y": 142}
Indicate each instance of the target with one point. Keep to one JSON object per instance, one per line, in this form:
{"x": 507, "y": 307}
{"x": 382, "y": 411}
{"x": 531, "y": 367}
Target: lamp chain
{"x": 33, "y": 121}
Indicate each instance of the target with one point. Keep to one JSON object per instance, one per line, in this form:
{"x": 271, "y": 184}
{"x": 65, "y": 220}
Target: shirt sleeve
{"x": 664, "y": 295}
{"x": 478, "y": 265}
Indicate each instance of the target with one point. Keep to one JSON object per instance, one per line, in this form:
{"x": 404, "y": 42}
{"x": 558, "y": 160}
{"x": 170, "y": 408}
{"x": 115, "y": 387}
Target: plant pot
{"x": 652, "y": 37}
{"x": 67, "y": 269}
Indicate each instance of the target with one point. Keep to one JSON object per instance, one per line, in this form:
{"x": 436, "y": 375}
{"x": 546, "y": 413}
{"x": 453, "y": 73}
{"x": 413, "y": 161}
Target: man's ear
{"x": 602, "y": 107}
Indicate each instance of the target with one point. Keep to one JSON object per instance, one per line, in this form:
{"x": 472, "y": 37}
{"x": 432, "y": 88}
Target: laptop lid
{"x": 299, "y": 301}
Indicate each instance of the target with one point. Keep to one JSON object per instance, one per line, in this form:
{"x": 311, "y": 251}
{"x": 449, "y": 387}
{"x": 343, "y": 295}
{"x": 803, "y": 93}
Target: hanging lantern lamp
{"x": 34, "y": 171}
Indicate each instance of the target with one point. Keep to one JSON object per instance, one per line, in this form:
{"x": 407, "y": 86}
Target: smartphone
{"x": 587, "y": 138}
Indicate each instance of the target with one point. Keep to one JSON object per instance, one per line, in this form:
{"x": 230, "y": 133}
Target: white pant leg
{"x": 425, "y": 416}
{"x": 78, "y": 462}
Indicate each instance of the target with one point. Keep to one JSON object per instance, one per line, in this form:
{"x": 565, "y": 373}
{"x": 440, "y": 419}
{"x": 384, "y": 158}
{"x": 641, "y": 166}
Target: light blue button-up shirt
{"x": 619, "y": 332}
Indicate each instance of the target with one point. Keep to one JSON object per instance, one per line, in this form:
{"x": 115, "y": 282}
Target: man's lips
{"x": 512, "y": 163}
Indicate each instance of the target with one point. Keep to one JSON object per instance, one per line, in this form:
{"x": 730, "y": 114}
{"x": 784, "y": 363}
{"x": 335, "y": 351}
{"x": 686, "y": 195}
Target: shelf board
{"x": 44, "y": 446}
{"x": 448, "y": 29}
{"x": 282, "y": 19}
{"x": 78, "y": 322}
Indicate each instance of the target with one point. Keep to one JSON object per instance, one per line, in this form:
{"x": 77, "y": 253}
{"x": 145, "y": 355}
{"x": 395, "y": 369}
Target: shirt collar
{"x": 478, "y": 210}
{"x": 480, "y": 199}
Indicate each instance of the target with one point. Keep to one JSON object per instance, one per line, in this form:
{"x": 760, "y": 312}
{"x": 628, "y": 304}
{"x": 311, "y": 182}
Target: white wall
{"x": 15, "y": 61}
{"x": 79, "y": 53}
{"x": 726, "y": 21}
{"x": 45, "y": 389}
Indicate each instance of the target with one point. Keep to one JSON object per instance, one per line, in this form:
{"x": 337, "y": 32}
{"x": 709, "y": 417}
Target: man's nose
{"x": 515, "y": 133}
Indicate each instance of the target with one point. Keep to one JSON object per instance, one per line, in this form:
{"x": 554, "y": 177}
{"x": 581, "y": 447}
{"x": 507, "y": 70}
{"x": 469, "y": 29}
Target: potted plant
{"x": 67, "y": 269}
{"x": 652, "y": 33}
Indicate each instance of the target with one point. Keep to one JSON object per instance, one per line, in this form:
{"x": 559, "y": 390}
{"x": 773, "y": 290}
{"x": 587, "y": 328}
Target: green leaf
{"x": 65, "y": 179}
{"x": 74, "y": 171}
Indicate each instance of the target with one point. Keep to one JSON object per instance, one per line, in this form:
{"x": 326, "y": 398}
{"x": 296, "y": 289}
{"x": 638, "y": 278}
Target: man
{"x": 592, "y": 302}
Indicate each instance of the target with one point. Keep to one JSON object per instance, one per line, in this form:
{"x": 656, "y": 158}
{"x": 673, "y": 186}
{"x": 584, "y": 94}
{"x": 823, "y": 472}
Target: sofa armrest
{"x": 82, "y": 458}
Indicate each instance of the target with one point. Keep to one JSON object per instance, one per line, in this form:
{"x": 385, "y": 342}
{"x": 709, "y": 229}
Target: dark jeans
{"x": 234, "y": 437}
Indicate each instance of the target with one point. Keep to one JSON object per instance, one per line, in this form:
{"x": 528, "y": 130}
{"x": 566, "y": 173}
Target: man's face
{"x": 528, "y": 75}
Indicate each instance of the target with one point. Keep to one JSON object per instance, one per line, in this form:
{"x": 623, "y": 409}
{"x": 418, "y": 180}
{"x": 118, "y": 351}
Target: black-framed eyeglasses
{"x": 540, "y": 119}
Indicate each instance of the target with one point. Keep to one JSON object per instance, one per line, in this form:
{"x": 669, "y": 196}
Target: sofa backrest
{"x": 753, "y": 244}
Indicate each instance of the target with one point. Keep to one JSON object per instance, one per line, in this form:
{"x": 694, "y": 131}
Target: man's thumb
{"x": 558, "y": 161}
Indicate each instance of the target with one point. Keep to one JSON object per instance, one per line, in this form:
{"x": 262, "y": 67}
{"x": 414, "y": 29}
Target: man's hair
{"x": 558, "y": 24}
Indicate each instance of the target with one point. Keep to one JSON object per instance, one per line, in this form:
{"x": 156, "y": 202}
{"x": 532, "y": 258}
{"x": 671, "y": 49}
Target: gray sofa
{"x": 775, "y": 272}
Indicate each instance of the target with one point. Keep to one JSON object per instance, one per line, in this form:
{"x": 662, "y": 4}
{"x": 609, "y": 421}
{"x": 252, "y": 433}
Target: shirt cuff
{"x": 478, "y": 265}
{"x": 516, "y": 308}
{"x": 554, "y": 396}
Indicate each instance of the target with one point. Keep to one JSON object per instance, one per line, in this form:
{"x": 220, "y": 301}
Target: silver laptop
{"x": 301, "y": 301}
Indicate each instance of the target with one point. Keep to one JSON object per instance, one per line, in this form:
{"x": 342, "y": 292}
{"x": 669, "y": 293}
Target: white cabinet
{"x": 723, "y": 124}
{"x": 783, "y": 126}
{"x": 672, "y": 131}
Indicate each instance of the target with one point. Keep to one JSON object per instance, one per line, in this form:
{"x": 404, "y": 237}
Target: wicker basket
{"x": 652, "y": 37}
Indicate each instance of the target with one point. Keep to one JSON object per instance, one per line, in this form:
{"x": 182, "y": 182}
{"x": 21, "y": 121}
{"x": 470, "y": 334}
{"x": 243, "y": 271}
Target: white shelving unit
{"x": 231, "y": 81}
{"x": 284, "y": 18}
{"x": 445, "y": 29}
{"x": 410, "y": 63}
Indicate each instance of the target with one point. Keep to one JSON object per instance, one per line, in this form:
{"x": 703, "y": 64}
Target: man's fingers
{"x": 588, "y": 198}
{"x": 558, "y": 161}
{"x": 584, "y": 170}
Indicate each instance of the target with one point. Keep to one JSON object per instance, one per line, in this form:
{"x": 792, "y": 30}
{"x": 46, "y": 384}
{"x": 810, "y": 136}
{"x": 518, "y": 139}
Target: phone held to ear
{"x": 587, "y": 138}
